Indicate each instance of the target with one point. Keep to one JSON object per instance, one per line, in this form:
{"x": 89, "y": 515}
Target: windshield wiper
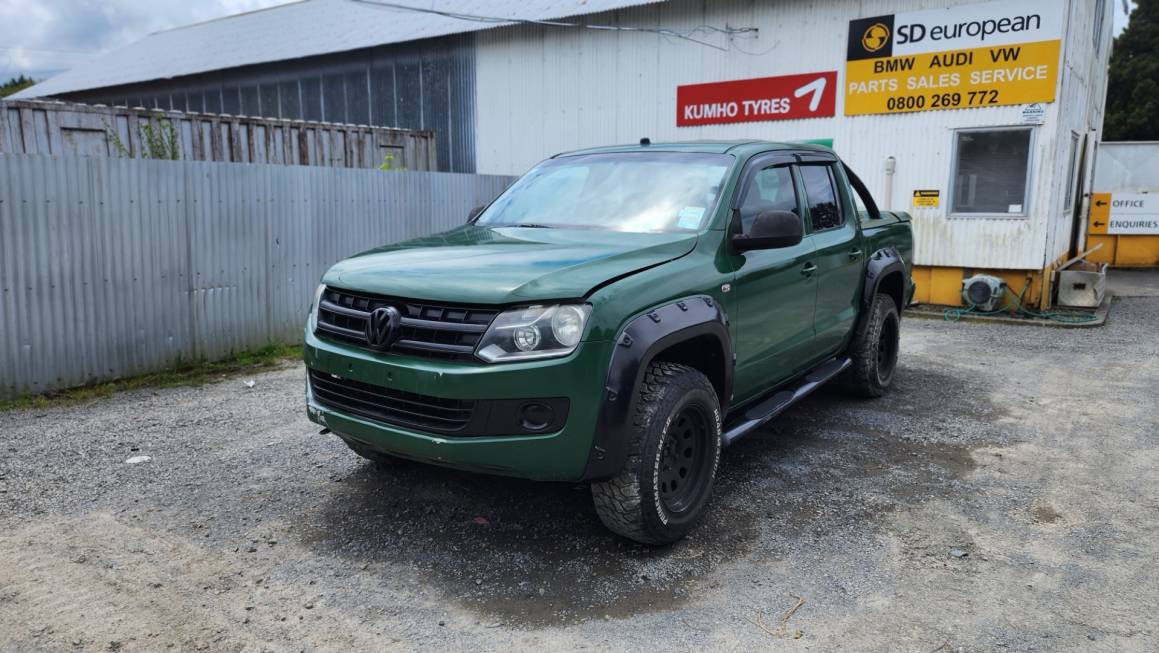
{"x": 531, "y": 225}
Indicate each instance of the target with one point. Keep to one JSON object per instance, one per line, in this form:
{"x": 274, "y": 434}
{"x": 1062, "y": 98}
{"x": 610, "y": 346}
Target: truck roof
{"x": 738, "y": 147}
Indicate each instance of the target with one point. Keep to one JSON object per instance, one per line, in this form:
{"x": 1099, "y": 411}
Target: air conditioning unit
{"x": 983, "y": 291}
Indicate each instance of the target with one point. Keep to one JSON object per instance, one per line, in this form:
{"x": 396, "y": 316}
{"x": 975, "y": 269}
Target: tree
{"x": 16, "y": 84}
{"x": 1133, "y": 89}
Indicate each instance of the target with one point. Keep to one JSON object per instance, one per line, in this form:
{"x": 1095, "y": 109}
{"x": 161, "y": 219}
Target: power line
{"x": 497, "y": 20}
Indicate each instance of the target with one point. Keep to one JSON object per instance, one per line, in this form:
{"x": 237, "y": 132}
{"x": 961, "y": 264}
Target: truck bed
{"x": 893, "y": 229}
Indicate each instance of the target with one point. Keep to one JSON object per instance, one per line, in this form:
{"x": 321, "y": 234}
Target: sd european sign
{"x": 968, "y": 56}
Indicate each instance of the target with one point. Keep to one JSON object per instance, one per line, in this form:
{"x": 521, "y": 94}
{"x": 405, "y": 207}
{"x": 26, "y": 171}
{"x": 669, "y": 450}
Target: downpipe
{"x": 890, "y": 168}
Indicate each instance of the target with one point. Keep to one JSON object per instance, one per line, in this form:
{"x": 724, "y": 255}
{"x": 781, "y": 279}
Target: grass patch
{"x": 183, "y": 374}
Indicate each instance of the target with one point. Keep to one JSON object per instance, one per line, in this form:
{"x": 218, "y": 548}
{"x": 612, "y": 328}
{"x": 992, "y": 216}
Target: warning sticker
{"x": 926, "y": 198}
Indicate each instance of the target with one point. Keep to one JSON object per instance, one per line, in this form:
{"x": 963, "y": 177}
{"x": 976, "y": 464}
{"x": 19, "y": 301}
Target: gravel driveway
{"x": 1003, "y": 498}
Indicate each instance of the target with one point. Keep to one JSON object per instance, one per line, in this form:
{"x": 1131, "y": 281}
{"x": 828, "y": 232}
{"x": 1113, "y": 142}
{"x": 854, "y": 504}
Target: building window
{"x": 1070, "y": 171}
{"x": 991, "y": 171}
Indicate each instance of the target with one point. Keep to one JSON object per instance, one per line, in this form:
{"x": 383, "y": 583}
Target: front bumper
{"x": 557, "y": 456}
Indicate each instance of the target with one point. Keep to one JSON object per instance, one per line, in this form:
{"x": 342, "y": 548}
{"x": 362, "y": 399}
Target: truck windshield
{"x": 625, "y": 191}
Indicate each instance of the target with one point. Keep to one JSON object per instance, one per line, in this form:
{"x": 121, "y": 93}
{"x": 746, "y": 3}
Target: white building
{"x": 992, "y": 110}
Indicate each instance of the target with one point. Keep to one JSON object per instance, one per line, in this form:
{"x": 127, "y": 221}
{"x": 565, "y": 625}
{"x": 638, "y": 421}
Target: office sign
{"x": 963, "y": 57}
{"x": 1124, "y": 214}
{"x": 787, "y": 97}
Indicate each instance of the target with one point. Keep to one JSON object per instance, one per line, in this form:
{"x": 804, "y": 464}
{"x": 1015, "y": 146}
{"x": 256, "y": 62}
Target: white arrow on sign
{"x": 817, "y": 88}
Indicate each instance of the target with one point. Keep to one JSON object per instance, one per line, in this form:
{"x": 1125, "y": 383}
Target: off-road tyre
{"x": 676, "y": 426}
{"x": 874, "y": 350}
{"x": 377, "y": 457}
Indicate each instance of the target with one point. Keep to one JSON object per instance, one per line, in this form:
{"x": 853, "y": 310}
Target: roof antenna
{"x": 645, "y": 141}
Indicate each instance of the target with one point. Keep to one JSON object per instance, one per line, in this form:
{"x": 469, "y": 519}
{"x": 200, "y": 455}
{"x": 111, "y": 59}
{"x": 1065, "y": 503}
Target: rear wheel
{"x": 874, "y": 350}
{"x": 673, "y": 452}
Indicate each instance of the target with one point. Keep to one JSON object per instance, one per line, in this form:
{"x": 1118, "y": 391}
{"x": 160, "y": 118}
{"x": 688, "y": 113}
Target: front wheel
{"x": 673, "y": 452}
{"x": 874, "y": 350}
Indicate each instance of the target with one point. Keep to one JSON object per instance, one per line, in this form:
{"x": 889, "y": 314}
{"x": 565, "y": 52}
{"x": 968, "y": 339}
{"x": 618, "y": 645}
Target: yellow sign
{"x": 1100, "y": 213}
{"x": 961, "y": 57}
{"x": 958, "y": 79}
{"x": 926, "y": 198}
{"x": 1124, "y": 214}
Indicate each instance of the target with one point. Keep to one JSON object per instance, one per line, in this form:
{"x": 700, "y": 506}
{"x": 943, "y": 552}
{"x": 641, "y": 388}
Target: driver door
{"x": 775, "y": 289}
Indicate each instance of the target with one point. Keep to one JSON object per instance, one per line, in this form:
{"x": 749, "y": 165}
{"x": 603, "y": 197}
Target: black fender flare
{"x": 636, "y": 345}
{"x": 882, "y": 263}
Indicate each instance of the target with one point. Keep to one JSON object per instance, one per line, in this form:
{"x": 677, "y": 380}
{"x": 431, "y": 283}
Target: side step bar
{"x": 757, "y": 414}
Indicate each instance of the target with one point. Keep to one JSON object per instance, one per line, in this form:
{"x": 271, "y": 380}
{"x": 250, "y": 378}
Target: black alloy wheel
{"x": 887, "y": 349}
{"x": 685, "y": 465}
{"x": 673, "y": 450}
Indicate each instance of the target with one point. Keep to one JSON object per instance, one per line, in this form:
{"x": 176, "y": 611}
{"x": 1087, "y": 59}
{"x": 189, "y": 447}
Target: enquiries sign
{"x": 969, "y": 56}
{"x": 1124, "y": 214}
{"x": 813, "y": 95}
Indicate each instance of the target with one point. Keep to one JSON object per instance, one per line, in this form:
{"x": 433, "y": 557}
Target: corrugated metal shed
{"x": 300, "y": 29}
{"x": 424, "y": 85}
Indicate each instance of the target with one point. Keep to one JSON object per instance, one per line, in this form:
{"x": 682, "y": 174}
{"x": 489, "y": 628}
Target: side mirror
{"x": 475, "y": 213}
{"x": 771, "y": 230}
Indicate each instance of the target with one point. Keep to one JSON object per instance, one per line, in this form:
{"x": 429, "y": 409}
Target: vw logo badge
{"x": 382, "y": 327}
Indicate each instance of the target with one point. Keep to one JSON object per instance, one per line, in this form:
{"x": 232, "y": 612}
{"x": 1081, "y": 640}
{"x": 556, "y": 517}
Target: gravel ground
{"x": 1002, "y": 498}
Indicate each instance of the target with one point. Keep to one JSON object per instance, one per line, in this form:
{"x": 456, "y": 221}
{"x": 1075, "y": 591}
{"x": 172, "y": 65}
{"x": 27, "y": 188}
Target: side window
{"x": 1070, "y": 180}
{"x": 821, "y": 194}
{"x": 771, "y": 189}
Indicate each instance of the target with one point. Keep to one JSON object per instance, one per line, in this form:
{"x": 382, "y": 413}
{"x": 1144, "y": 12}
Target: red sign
{"x": 788, "y": 97}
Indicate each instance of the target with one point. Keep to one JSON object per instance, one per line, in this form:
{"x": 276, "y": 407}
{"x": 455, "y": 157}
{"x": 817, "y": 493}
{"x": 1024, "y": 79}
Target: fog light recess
{"x": 535, "y": 416}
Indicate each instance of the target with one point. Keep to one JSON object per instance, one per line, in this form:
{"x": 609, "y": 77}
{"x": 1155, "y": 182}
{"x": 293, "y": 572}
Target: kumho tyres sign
{"x": 812, "y": 95}
{"x": 963, "y": 57}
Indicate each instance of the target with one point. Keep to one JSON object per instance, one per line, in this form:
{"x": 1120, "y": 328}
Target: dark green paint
{"x": 782, "y": 322}
{"x": 505, "y": 265}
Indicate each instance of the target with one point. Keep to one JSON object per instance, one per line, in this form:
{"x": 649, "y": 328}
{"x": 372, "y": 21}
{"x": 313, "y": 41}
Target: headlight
{"x": 534, "y": 332}
{"x": 312, "y": 320}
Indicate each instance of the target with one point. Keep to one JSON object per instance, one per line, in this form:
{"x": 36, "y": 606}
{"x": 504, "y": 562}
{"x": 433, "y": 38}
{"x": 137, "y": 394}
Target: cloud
{"x": 42, "y": 37}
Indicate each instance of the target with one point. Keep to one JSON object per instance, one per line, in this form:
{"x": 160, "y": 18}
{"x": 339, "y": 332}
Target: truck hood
{"x": 501, "y": 265}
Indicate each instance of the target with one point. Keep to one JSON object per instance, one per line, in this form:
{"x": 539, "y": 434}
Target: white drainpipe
{"x": 890, "y": 168}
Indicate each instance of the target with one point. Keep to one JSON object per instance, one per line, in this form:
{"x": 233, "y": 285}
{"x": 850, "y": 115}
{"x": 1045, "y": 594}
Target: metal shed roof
{"x": 299, "y": 29}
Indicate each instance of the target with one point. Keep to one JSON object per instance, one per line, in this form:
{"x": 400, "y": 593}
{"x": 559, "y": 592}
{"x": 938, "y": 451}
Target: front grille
{"x": 427, "y": 330}
{"x": 391, "y": 406}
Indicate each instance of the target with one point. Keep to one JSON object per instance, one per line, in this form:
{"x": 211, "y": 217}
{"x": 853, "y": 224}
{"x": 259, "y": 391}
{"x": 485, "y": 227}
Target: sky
{"x": 39, "y": 38}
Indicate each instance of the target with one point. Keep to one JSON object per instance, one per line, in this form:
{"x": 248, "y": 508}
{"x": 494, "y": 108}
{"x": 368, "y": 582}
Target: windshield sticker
{"x": 689, "y": 217}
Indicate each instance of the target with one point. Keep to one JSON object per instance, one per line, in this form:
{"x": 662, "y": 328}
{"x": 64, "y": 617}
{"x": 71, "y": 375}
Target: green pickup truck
{"x": 616, "y": 316}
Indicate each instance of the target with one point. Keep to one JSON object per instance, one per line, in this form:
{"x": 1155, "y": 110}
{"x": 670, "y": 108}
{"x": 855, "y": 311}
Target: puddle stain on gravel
{"x": 539, "y": 555}
{"x": 1045, "y": 514}
{"x": 524, "y": 553}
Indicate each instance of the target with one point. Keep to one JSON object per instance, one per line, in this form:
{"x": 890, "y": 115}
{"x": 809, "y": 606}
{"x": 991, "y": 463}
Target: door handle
{"x": 855, "y": 254}
{"x": 809, "y": 269}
